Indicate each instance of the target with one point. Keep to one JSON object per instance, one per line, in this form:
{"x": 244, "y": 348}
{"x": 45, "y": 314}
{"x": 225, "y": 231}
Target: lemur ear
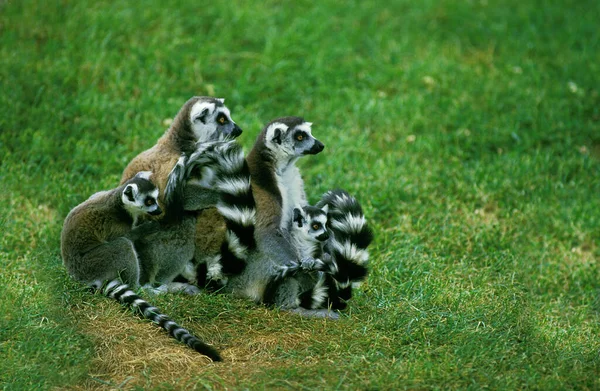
{"x": 325, "y": 208}
{"x": 129, "y": 192}
{"x": 221, "y": 100}
{"x": 277, "y": 135}
{"x": 298, "y": 217}
{"x": 202, "y": 116}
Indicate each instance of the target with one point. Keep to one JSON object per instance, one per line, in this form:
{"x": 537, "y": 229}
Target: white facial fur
{"x": 144, "y": 175}
{"x": 281, "y": 152}
{"x": 203, "y": 117}
{"x": 138, "y": 207}
{"x": 304, "y": 238}
{"x": 289, "y": 148}
{"x": 132, "y": 207}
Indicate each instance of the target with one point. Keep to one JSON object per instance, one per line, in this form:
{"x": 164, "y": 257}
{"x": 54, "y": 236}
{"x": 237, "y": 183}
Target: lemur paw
{"x": 309, "y": 264}
{"x": 285, "y": 270}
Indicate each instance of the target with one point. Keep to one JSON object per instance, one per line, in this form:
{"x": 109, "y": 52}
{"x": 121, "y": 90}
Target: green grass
{"x": 469, "y": 131}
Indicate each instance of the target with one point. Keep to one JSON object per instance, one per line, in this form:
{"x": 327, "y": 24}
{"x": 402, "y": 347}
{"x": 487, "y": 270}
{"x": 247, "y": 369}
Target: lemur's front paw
{"x": 313, "y": 264}
{"x": 286, "y": 270}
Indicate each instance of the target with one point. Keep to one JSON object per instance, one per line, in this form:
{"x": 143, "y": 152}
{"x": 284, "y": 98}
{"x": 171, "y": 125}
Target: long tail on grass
{"x": 115, "y": 289}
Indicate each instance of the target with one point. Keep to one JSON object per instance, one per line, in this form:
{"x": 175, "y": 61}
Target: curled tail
{"x": 350, "y": 235}
{"x": 121, "y": 292}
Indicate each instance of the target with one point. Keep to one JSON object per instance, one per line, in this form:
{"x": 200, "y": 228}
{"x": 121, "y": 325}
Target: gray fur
{"x": 203, "y": 123}
{"x": 97, "y": 247}
{"x": 277, "y": 187}
{"x": 97, "y": 240}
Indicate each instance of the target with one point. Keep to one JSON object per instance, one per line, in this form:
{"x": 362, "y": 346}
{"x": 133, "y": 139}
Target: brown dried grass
{"x": 133, "y": 352}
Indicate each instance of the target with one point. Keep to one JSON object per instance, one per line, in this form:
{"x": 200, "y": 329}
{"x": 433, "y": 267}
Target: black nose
{"x": 324, "y": 236}
{"x": 317, "y": 147}
{"x": 236, "y": 131}
{"x": 155, "y": 212}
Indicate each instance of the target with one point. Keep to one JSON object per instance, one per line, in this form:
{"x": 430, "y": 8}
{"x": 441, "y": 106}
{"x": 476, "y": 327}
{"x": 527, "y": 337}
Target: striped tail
{"x": 350, "y": 236}
{"x": 121, "y": 292}
{"x": 236, "y": 205}
{"x": 237, "y": 208}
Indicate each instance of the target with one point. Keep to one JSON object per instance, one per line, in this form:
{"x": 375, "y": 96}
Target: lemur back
{"x": 97, "y": 247}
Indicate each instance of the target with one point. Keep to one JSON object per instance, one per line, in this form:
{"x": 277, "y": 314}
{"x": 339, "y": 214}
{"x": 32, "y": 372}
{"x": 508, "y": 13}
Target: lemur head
{"x": 290, "y": 137}
{"x": 140, "y": 195}
{"x": 311, "y": 222}
{"x": 210, "y": 120}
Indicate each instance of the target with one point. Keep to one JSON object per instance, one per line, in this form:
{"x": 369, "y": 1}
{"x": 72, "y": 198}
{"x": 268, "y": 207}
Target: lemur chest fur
{"x": 291, "y": 188}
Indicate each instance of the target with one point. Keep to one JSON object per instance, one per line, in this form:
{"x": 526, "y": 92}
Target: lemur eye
{"x": 316, "y": 226}
{"x": 149, "y": 201}
{"x": 222, "y": 120}
{"x": 299, "y": 137}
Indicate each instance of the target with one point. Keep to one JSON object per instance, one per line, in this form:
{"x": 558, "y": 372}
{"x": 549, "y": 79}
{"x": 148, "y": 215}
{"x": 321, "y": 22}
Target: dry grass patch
{"x": 131, "y": 352}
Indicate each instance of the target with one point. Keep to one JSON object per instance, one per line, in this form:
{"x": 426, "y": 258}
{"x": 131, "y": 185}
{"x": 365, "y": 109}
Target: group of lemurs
{"x": 193, "y": 212}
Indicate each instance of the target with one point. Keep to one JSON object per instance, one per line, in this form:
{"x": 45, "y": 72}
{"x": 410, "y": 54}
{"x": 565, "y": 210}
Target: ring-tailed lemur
{"x": 169, "y": 252}
{"x": 277, "y": 186}
{"x": 308, "y": 234}
{"x": 340, "y": 257}
{"x": 97, "y": 246}
{"x": 349, "y": 237}
{"x": 201, "y": 119}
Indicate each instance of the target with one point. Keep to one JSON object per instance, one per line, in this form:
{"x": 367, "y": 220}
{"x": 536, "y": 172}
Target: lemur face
{"x": 211, "y": 120}
{"x": 311, "y": 222}
{"x": 140, "y": 195}
{"x": 290, "y": 137}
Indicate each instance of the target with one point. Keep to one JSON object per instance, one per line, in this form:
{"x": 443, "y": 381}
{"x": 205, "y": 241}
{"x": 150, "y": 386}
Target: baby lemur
{"x": 308, "y": 233}
{"x": 97, "y": 247}
{"x": 338, "y": 253}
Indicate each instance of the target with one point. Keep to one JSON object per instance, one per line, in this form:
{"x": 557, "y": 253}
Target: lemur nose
{"x": 236, "y": 131}
{"x": 318, "y": 147}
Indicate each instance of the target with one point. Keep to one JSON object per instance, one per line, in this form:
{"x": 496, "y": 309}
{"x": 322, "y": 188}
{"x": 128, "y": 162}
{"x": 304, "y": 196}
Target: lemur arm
{"x": 198, "y": 197}
{"x": 144, "y": 229}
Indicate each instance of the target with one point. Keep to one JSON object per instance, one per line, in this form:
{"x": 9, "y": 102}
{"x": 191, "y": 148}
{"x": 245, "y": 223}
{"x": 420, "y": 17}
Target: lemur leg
{"x": 115, "y": 259}
{"x": 197, "y": 197}
{"x": 321, "y": 313}
{"x": 167, "y": 253}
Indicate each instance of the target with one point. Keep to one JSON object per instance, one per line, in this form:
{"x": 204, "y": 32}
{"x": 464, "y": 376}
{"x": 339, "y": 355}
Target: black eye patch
{"x": 222, "y": 119}
{"x": 129, "y": 193}
{"x": 301, "y": 136}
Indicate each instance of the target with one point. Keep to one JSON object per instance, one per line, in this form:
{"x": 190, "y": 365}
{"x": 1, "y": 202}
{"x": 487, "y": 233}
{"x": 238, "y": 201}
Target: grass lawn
{"x": 468, "y": 129}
